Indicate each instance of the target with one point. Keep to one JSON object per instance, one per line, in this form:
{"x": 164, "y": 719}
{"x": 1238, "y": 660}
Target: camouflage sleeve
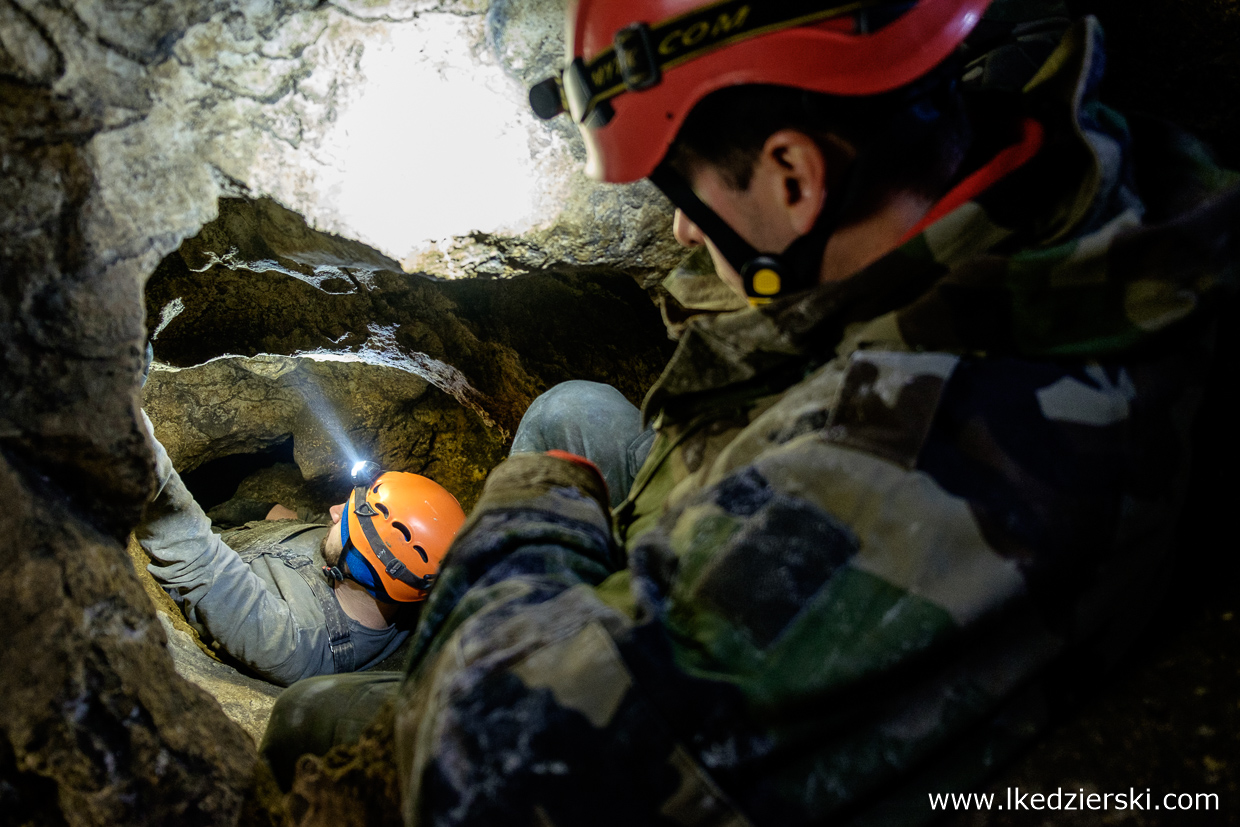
{"x": 541, "y": 526}
{"x": 517, "y": 691}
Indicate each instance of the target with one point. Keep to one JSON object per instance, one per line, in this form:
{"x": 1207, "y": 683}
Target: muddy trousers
{"x": 316, "y": 714}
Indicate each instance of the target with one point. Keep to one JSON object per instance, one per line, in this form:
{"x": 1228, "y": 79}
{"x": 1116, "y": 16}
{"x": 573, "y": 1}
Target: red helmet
{"x": 639, "y": 66}
{"x": 403, "y": 528}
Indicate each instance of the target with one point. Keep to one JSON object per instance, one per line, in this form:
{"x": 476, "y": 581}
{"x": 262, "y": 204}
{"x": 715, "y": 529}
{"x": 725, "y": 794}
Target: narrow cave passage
{"x": 235, "y": 183}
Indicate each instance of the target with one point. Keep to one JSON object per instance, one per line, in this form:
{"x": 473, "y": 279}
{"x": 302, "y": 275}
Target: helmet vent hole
{"x": 382, "y": 509}
{"x": 421, "y": 551}
{"x": 404, "y": 532}
{"x": 375, "y": 490}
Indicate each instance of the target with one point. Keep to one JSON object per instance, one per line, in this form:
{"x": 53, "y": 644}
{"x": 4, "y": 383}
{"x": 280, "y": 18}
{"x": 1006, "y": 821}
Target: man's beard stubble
{"x": 330, "y": 556}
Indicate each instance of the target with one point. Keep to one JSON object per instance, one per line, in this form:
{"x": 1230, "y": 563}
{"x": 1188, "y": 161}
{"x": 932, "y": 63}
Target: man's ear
{"x": 793, "y": 171}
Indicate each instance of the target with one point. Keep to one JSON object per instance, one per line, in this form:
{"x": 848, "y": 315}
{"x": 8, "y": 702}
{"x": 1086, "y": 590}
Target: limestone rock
{"x": 259, "y": 281}
{"x": 120, "y": 125}
{"x": 394, "y": 123}
{"x": 280, "y": 483}
{"x": 99, "y": 728}
{"x": 245, "y": 700}
{"x": 334, "y": 412}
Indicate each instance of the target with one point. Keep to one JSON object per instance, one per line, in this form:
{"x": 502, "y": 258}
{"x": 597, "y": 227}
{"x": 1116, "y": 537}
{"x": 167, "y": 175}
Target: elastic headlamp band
{"x": 641, "y": 53}
{"x": 390, "y": 562}
{"x": 344, "y": 526}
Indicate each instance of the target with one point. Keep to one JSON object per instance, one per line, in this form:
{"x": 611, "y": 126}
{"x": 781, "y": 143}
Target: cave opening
{"x": 215, "y": 484}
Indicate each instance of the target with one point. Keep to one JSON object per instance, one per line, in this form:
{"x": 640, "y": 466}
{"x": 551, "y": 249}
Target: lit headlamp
{"x": 365, "y": 472}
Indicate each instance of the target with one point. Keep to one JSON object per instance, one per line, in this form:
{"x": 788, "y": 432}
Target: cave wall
{"x": 333, "y": 346}
{"x": 98, "y": 727}
{"x": 258, "y": 280}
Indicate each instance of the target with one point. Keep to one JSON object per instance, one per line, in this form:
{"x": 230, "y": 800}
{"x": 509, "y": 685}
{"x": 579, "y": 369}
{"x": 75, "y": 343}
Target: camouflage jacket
{"x": 877, "y": 517}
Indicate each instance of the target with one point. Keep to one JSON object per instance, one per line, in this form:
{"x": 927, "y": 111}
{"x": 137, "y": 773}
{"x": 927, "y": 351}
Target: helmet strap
{"x": 390, "y": 562}
{"x": 360, "y": 571}
{"x": 767, "y": 276}
{"x": 336, "y": 573}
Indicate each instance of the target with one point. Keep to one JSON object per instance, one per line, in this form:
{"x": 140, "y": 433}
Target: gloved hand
{"x": 555, "y": 481}
{"x": 581, "y": 461}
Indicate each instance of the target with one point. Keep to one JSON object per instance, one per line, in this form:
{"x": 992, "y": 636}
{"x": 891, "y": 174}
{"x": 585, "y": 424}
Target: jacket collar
{"x": 1028, "y": 267}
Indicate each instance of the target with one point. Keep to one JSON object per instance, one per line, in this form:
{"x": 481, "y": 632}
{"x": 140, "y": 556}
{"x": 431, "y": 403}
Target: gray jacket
{"x": 259, "y": 605}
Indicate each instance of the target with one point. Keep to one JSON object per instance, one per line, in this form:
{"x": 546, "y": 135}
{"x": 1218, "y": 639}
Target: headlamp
{"x": 571, "y": 92}
{"x": 365, "y": 472}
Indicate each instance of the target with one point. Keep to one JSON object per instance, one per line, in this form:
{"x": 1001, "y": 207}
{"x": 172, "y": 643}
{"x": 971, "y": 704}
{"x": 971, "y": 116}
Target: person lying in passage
{"x": 288, "y": 600}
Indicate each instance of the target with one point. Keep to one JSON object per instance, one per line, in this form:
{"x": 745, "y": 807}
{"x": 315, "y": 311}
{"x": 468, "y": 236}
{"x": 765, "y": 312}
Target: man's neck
{"x": 856, "y": 246}
{"x": 358, "y": 604}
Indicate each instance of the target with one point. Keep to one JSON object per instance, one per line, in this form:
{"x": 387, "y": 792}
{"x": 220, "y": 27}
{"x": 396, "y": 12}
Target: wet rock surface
{"x": 333, "y": 413}
{"x": 258, "y": 280}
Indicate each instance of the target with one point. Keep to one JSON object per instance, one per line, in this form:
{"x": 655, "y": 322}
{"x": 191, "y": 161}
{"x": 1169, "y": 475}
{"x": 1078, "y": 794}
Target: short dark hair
{"x": 915, "y": 138}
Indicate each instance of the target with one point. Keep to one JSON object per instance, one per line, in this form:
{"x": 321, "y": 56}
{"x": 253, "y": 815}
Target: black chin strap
{"x": 766, "y": 276}
{"x": 393, "y": 566}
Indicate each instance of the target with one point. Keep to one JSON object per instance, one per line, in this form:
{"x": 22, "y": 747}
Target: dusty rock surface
{"x": 258, "y": 280}
{"x": 99, "y": 728}
{"x": 334, "y": 413}
{"x": 245, "y": 700}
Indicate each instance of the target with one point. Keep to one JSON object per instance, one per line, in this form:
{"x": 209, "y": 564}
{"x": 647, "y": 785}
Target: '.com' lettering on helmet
{"x": 639, "y": 66}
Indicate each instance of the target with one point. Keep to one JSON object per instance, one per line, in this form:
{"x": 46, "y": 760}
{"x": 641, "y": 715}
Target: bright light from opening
{"x": 437, "y": 142}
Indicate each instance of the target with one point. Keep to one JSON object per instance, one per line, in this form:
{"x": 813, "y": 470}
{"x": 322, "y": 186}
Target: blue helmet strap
{"x": 355, "y": 566}
{"x": 359, "y": 570}
{"x": 337, "y": 572}
{"x": 344, "y": 527}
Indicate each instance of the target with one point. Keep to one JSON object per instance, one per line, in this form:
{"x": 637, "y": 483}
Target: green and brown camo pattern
{"x": 876, "y": 519}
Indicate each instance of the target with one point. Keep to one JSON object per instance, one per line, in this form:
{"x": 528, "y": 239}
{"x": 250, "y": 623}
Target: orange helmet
{"x": 638, "y": 67}
{"x": 402, "y": 524}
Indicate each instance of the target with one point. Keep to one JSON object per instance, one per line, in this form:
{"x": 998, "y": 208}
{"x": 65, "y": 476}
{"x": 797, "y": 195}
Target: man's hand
{"x": 582, "y": 462}
{"x": 279, "y": 512}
